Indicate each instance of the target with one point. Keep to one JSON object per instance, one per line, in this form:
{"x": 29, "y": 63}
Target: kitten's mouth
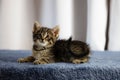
{"x": 35, "y": 47}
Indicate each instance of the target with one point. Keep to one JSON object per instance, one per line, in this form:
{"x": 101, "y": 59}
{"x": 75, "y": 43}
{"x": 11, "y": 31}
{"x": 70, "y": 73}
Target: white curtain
{"x": 17, "y": 17}
{"x": 84, "y": 20}
{"x": 97, "y": 21}
{"x": 114, "y": 43}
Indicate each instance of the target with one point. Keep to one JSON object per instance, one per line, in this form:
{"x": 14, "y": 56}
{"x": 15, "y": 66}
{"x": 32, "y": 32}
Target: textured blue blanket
{"x": 102, "y": 66}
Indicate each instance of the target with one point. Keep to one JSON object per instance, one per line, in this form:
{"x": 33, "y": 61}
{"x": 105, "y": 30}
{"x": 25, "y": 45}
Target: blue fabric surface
{"x": 102, "y": 66}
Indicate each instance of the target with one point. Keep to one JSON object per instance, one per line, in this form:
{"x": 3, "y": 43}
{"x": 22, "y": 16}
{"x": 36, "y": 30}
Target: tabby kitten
{"x": 43, "y": 38}
{"x": 71, "y": 51}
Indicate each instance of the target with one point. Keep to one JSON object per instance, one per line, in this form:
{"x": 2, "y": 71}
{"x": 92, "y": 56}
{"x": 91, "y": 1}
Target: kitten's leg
{"x": 77, "y": 61}
{"x": 43, "y": 60}
{"x": 27, "y": 59}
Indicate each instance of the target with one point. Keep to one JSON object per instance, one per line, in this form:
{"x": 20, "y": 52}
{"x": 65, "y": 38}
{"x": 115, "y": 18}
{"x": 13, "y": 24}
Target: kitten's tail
{"x": 83, "y": 54}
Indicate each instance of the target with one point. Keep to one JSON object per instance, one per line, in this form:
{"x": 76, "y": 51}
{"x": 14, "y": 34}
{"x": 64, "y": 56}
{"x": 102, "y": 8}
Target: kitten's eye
{"x": 38, "y": 36}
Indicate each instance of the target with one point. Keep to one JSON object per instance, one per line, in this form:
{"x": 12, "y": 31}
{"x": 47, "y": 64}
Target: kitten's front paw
{"x": 21, "y": 60}
{"x": 39, "y": 62}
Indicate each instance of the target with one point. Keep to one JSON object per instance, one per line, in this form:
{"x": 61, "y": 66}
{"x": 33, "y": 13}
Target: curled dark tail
{"x": 85, "y": 48}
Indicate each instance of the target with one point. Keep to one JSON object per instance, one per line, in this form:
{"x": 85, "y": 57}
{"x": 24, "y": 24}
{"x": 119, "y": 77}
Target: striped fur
{"x": 43, "y": 38}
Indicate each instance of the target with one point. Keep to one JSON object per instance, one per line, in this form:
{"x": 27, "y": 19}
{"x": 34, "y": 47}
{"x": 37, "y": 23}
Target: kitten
{"x": 71, "y": 51}
{"x": 43, "y": 38}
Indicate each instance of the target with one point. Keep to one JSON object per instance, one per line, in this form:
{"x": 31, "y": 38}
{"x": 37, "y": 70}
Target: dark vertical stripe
{"x": 108, "y": 26}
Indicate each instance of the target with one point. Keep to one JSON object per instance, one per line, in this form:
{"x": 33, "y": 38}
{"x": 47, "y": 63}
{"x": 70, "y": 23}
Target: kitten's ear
{"x": 56, "y": 30}
{"x": 69, "y": 42}
{"x": 70, "y": 39}
{"x": 36, "y": 26}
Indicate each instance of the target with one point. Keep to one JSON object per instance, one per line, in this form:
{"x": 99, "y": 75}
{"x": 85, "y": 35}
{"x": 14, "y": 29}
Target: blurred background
{"x": 95, "y": 22}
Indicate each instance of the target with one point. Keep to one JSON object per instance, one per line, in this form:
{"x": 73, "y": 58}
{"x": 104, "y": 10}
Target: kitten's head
{"x": 43, "y": 36}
